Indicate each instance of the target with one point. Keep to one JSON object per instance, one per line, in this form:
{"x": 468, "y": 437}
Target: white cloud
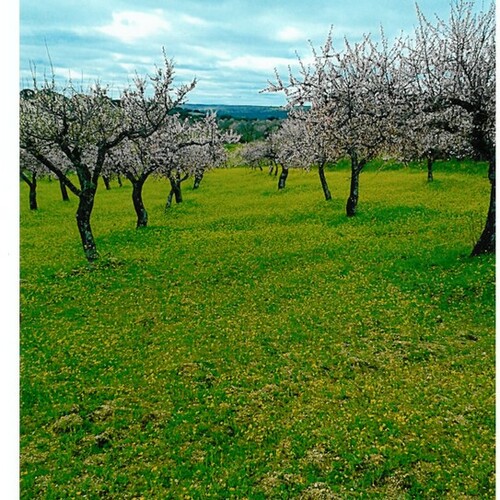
{"x": 129, "y": 26}
{"x": 209, "y": 52}
{"x": 257, "y": 63}
{"x": 136, "y": 59}
{"x": 194, "y": 21}
{"x": 290, "y": 34}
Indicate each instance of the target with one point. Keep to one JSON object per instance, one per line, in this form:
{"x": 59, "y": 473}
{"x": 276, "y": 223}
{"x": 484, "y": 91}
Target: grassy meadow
{"x": 258, "y": 344}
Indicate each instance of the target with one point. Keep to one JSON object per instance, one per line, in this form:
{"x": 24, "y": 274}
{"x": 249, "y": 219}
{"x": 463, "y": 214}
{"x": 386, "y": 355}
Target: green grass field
{"x": 256, "y": 344}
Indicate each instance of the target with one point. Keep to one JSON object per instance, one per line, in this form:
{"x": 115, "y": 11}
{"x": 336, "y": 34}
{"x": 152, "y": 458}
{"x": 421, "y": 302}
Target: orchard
{"x": 309, "y": 314}
{"x": 430, "y": 95}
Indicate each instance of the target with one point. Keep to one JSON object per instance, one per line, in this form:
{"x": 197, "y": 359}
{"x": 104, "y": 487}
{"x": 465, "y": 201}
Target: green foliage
{"x": 252, "y": 343}
{"x": 249, "y": 129}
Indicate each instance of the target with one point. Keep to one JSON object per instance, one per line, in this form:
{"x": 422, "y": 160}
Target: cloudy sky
{"x": 230, "y": 46}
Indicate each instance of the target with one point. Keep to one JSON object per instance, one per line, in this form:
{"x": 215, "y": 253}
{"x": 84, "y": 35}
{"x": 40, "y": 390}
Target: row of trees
{"x": 426, "y": 96}
{"x": 430, "y": 95}
{"x": 71, "y": 133}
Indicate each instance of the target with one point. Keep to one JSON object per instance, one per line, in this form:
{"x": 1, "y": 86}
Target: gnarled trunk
{"x": 352, "y": 201}
{"x": 176, "y": 188}
{"x": 175, "y": 191}
{"x": 282, "y": 178}
{"x": 106, "y": 180}
{"x": 324, "y": 184}
{"x": 168, "y": 204}
{"x": 64, "y": 190}
{"x": 32, "y": 185}
{"x": 430, "y": 163}
{"x": 198, "y": 177}
{"x": 487, "y": 240}
{"x": 83, "y": 213}
{"x": 140, "y": 210}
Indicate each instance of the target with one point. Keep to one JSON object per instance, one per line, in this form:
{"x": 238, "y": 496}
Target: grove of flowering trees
{"x": 350, "y": 94}
{"x": 429, "y": 95}
{"x": 178, "y": 150}
{"x": 70, "y": 131}
{"x": 450, "y": 67}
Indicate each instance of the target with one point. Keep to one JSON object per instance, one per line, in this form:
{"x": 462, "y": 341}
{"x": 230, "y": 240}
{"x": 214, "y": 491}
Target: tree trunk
{"x": 198, "y": 177}
{"x": 176, "y": 188}
{"x": 352, "y": 201}
{"x": 32, "y": 185}
{"x": 64, "y": 190}
{"x": 119, "y": 179}
{"x": 83, "y": 213}
{"x": 105, "y": 178}
{"x": 33, "y": 202}
{"x": 175, "y": 191}
{"x": 282, "y": 178}
{"x": 324, "y": 184}
{"x": 430, "y": 163}
{"x": 356, "y": 168}
{"x": 169, "y": 199}
{"x": 487, "y": 240}
{"x": 140, "y": 210}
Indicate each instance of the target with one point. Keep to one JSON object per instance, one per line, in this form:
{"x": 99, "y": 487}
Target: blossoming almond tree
{"x": 30, "y": 170}
{"x": 131, "y": 158}
{"x": 197, "y": 147}
{"x": 178, "y": 147}
{"x": 450, "y": 65}
{"x": 349, "y": 91}
{"x": 317, "y": 146}
{"x": 86, "y": 126}
{"x": 439, "y": 135}
{"x": 288, "y": 143}
{"x": 255, "y": 154}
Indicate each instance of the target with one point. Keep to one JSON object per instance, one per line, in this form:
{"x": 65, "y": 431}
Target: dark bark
{"x": 352, "y": 201}
{"x": 169, "y": 199}
{"x": 60, "y": 175}
{"x": 33, "y": 201}
{"x": 32, "y": 185}
{"x": 105, "y": 178}
{"x": 484, "y": 149}
{"x": 282, "y": 178}
{"x": 176, "y": 187}
{"x": 198, "y": 177}
{"x": 324, "y": 184}
{"x": 119, "y": 179}
{"x": 83, "y": 213}
{"x": 140, "y": 210}
{"x": 64, "y": 190}
{"x": 487, "y": 240}
{"x": 430, "y": 174}
{"x": 175, "y": 191}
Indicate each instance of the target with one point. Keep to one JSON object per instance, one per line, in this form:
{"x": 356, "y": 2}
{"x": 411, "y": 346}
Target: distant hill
{"x": 243, "y": 112}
